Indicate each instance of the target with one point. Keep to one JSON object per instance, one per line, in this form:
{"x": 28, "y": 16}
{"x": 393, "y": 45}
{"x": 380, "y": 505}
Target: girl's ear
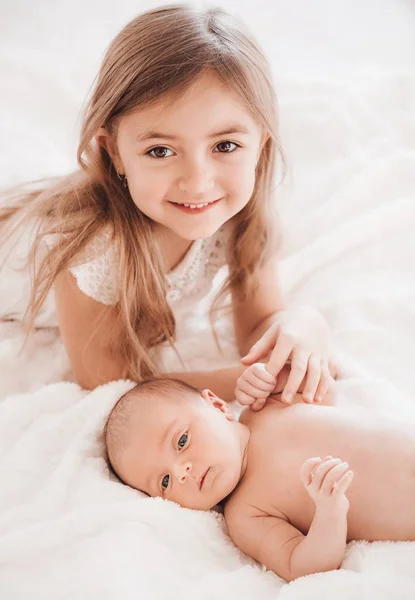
{"x": 264, "y": 138}
{"x": 211, "y": 398}
{"x": 104, "y": 139}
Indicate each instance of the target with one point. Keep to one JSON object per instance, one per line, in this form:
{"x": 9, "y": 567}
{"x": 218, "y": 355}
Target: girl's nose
{"x": 196, "y": 182}
{"x": 195, "y": 188}
{"x": 182, "y": 471}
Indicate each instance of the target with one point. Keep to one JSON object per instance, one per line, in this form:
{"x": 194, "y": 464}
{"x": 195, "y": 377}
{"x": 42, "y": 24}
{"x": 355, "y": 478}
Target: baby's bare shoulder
{"x": 257, "y": 418}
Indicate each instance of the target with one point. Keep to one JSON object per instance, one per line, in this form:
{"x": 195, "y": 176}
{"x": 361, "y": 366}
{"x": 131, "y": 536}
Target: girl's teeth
{"x": 196, "y": 205}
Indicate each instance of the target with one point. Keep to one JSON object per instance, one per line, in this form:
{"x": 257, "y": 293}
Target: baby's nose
{"x": 183, "y": 471}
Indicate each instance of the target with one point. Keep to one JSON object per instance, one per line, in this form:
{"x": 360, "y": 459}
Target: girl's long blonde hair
{"x": 158, "y": 54}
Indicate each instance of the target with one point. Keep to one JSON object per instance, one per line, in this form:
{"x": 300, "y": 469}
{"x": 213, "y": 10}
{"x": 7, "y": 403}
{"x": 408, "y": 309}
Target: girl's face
{"x": 190, "y": 162}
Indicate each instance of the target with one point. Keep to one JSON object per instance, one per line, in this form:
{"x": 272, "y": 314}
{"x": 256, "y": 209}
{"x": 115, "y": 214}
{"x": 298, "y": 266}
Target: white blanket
{"x": 67, "y": 530}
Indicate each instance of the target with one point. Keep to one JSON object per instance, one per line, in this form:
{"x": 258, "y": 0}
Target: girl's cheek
{"x": 243, "y": 182}
{"x": 144, "y": 184}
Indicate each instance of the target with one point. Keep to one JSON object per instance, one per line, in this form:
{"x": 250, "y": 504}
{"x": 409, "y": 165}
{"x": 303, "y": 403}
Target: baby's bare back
{"x": 379, "y": 447}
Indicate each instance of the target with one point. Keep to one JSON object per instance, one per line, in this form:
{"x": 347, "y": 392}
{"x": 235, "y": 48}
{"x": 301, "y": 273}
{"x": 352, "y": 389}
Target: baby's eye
{"x": 165, "y": 482}
{"x": 224, "y": 147}
{"x": 182, "y": 441}
{"x": 158, "y": 152}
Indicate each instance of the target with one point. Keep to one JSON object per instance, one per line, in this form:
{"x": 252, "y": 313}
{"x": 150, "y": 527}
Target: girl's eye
{"x": 182, "y": 441}
{"x": 225, "y": 147}
{"x": 165, "y": 482}
{"x": 158, "y": 152}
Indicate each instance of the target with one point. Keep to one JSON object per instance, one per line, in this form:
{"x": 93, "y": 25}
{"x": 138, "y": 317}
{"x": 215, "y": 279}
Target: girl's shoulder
{"x": 94, "y": 267}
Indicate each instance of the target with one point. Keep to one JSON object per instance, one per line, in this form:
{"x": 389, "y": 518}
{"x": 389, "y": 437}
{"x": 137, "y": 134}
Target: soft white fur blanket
{"x": 67, "y": 530}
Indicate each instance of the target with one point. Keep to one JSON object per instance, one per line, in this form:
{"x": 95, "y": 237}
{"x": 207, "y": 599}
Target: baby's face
{"x": 189, "y": 450}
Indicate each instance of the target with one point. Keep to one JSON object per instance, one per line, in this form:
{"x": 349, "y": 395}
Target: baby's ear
{"x": 211, "y": 398}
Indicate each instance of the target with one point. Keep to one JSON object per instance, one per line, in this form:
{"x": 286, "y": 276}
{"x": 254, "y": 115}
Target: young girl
{"x": 177, "y": 165}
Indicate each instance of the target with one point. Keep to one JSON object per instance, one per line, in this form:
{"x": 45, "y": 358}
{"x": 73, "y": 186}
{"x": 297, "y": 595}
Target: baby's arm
{"x": 282, "y": 548}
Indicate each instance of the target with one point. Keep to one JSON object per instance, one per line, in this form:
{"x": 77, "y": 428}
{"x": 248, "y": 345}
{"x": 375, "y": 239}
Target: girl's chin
{"x": 197, "y": 232}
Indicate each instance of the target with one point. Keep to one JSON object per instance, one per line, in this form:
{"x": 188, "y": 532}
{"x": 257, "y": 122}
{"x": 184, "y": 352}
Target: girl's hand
{"x": 300, "y": 335}
{"x": 254, "y": 386}
{"x": 326, "y": 481}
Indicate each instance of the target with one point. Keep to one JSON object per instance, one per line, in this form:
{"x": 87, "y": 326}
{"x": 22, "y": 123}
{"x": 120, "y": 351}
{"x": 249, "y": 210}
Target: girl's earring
{"x": 122, "y": 178}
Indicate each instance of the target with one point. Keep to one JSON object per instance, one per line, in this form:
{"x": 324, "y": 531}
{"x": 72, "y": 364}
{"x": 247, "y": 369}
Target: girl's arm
{"x": 222, "y": 382}
{"x": 299, "y": 334}
{"x": 91, "y": 361}
{"x": 253, "y": 318}
{"x": 78, "y": 316}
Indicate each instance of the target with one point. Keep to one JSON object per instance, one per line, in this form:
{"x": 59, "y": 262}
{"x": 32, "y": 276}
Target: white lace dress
{"x": 191, "y": 279}
{"x": 191, "y": 287}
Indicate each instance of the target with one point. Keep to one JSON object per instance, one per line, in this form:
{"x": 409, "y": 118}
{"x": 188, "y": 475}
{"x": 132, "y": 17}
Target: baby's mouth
{"x": 202, "y": 479}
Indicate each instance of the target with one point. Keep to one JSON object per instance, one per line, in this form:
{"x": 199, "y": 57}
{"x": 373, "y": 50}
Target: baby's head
{"x": 168, "y": 439}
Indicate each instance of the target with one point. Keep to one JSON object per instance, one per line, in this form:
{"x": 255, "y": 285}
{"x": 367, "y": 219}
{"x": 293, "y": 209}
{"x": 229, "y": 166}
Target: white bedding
{"x": 346, "y": 82}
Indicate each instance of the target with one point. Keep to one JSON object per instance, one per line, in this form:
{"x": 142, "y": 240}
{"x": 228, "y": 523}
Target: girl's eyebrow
{"x": 151, "y": 134}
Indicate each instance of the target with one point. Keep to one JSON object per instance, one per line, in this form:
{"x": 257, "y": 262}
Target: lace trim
{"x": 96, "y": 276}
{"x": 96, "y": 273}
{"x": 194, "y": 275}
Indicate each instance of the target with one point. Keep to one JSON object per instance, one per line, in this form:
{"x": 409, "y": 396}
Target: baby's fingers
{"x": 243, "y": 398}
{"x": 322, "y": 470}
{"x": 343, "y": 483}
{"x": 252, "y": 390}
{"x": 258, "y": 404}
{"x": 307, "y": 469}
{"x": 333, "y": 476}
{"x": 258, "y": 372}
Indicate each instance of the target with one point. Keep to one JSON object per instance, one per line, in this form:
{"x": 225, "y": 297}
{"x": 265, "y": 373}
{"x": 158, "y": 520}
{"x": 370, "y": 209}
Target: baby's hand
{"x": 254, "y": 386}
{"x": 326, "y": 481}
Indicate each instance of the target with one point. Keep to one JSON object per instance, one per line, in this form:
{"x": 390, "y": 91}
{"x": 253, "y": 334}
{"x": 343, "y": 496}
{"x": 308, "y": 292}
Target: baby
{"x": 276, "y": 471}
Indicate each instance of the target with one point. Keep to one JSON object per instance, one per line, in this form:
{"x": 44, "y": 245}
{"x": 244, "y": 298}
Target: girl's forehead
{"x": 205, "y": 105}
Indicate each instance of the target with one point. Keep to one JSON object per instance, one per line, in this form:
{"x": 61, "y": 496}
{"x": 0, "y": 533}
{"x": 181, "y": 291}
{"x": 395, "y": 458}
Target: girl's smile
{"x": 195, "y": 209}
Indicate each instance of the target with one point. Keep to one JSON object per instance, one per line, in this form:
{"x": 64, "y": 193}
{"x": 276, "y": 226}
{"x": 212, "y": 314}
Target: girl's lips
{"x": 195, "y": 211}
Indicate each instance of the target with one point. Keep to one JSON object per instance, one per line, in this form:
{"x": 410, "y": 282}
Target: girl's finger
{"x": 333, "y": 476}
{"x": 299, "y": 362}
{"x": 334, "y": 369}
{"x": 312, "y": 378}
{"x": 280, "y": 354}
{"x": 243, "y": 398}
{"x": 307, "y": 469}
{"x": 342, "y": 485}
{"x": 262, "y": 346}
{"x": 251, "y": 390}
{"x": 323, "y": 386}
